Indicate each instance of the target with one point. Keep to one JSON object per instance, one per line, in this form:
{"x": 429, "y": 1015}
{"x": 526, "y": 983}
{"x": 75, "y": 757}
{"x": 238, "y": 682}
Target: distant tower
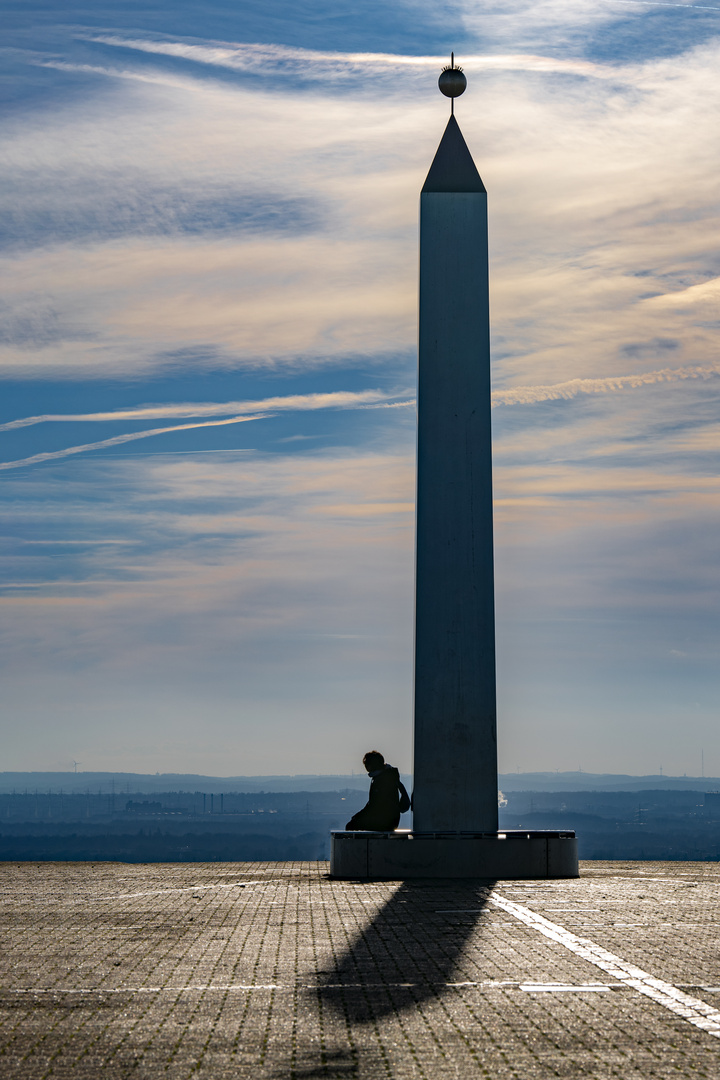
{"x": 455, "y": 752}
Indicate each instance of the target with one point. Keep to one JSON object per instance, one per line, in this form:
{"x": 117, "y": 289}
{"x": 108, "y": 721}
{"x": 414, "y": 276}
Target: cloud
{"x": 705, "y": 293}
{"x": 562, "y": 22}
{"x": 577, "y": 25}
{"x": 258, "y": 303}
{"x": 184, "y": 213}
{"x": 87, "y": 215}
{"x": 243, "y": 228}
{"x": 269, "y": 594}
{"x": 248, "y": 584}
{"x": 264, "y": 59}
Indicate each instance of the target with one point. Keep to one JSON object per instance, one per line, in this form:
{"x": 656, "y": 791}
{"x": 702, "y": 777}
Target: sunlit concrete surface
{"x": 273, "y": 970}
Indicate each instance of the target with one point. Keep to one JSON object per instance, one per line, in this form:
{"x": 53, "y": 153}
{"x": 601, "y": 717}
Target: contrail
{"x": 345, "y": 399}
{"x": 663, "y": 3}
{"x": 516, "y": 395}
{"x": 339, "y": 399}
{"x": 531, "y": 395}
{"x": 117, "y": 440}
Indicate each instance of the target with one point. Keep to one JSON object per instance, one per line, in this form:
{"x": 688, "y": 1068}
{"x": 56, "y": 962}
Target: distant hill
{"x": 582, "y": 781}
{"x": 120, "y": 782}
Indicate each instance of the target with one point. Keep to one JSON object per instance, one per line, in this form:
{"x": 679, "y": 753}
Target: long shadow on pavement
{"x": 408, "y": 952}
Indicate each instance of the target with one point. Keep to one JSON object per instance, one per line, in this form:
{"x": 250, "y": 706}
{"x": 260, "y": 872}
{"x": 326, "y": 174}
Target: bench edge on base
{"x": 514, "y": 855}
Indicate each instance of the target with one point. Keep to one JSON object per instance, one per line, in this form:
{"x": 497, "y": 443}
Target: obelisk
{"x": 455, "y": 751}
{"x": 455, "y": 820}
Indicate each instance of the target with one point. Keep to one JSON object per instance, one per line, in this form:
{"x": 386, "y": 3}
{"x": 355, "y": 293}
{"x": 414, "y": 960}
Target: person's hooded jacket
{"x": 381, "y": 813}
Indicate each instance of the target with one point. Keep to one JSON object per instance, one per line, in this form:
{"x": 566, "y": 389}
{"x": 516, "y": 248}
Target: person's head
{"x": 373, "y": 760}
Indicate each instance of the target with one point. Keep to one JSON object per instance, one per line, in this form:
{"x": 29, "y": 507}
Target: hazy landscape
{"x": 185, "y": 818}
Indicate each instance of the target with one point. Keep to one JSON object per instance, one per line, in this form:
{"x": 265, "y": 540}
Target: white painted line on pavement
{"x": 139, "y": 989}
{"x": 461, "y": 911}
{"x": 225, "y": 987}
{"x": 564, "y": 988}
{"x": 160, "y": 892}
{"x": 692, "y": 1009}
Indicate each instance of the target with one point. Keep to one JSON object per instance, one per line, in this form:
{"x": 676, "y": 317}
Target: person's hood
{"x": 385, "y": 767}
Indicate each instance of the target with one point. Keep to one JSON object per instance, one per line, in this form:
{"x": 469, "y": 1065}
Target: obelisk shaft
{"x": 455, "y": 752}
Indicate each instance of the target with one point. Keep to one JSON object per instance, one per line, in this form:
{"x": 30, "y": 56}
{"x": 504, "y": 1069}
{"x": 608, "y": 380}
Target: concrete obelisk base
{"x": 510, "y": 856}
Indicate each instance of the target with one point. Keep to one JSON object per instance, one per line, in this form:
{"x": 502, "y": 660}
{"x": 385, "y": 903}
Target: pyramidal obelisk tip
{"x": 453, "y": 168}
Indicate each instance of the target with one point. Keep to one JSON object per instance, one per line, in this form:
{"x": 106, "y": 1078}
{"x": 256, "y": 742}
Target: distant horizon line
{"x": 357, "y": 773}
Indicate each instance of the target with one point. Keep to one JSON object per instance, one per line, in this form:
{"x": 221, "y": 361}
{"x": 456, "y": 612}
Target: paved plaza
{"x": 274, "y": 970}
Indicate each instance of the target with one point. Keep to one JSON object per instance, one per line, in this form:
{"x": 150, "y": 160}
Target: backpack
{"x": 404, "y": 797}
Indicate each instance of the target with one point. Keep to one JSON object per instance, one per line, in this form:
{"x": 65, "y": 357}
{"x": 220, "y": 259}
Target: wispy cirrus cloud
{"x": 234, "y": 264}
{"x": 572, "y": 24}
{"x": 313, "y": 63}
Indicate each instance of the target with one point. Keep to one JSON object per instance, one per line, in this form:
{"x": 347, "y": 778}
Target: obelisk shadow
{"x": 408, "y": 952}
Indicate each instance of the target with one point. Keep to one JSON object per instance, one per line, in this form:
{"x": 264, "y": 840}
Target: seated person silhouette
{"x": 382, "y": 810}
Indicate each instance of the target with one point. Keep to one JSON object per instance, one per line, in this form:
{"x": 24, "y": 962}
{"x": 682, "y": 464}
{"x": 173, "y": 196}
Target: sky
{"x": 208, "y": 369}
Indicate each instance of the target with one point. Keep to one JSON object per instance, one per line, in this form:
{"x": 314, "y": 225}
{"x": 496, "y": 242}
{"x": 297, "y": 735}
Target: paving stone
{"x": 272, "y": 970}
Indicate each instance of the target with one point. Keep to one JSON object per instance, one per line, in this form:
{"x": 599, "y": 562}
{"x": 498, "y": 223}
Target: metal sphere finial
{"x": 452, "y": 82}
